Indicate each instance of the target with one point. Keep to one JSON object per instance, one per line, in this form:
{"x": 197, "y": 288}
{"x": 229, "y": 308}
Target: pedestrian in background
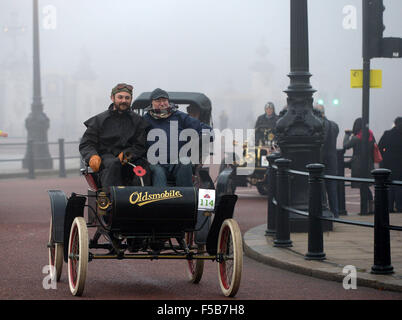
{"x": 223, "y": 120}
{"x": 329, "y": 158}
{"x": 265, "y": 122}
{"x": 390, "y": 146}
{"x": 3, "y": 134}
{"x": 353, "y": 139}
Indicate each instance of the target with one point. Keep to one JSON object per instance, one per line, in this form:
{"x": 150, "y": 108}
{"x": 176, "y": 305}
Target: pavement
{"x": 346, "y": 245}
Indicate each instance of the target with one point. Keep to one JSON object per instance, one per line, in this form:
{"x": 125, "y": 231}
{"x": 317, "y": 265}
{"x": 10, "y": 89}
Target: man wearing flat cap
{"x": 113, "y": 137}
{"x": 164, "y": 117}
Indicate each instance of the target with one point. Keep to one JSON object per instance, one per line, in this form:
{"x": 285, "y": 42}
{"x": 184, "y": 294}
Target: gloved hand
{"x": 121, "y": 158}
{"x": 95, "y": 162}
{"x": 124, "y": 157}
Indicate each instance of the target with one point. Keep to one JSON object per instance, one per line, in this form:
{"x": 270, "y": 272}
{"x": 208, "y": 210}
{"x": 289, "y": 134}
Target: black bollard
{"x": 382, "y": 242}
{"x": 62, "y": 160}
{"x": 282, "y": 197}
{"x": 271, "y": 208}
{"x": 315, "y": 237}
{"x": 30, "y": 160}
{"x": 341, "y": 184}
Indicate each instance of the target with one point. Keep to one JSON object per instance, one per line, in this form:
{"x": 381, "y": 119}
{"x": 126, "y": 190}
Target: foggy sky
{"x": 234, "y": 51}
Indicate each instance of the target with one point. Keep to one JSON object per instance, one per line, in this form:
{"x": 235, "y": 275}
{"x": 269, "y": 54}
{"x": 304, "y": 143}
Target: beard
{"x": 122, "y": 107}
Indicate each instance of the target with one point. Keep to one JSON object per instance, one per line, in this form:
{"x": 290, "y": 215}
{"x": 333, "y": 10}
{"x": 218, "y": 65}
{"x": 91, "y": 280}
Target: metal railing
{"x": 29, "y": 160}
{"x": 279, "y": 207}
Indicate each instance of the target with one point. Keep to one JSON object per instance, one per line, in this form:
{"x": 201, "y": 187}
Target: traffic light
{"x": 335, "y": 102}
{"x": 373, "y": 27}
{"x": 320, "y": 101}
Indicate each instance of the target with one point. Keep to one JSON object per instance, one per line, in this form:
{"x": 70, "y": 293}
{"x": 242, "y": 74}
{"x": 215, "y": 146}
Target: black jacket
{"x": 390, "y": 146}
{"x": 329, "y": 155}
{"x": 111, "y": 132}
{"x": 356, "y": 143}
{"x": 263, "y": 122}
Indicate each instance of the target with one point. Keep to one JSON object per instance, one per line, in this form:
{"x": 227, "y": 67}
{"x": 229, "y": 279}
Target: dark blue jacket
{"x": 183, "y": 120}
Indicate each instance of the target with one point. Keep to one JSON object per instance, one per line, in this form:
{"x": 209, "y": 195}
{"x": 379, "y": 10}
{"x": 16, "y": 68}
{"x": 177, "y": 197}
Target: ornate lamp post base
{"x": 302, "y": 150}
{"x": 299, "y": 132}
{"x": 37, "y": 125}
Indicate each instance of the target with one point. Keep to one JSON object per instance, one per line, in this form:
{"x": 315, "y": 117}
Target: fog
{"x": 234, "y": 51}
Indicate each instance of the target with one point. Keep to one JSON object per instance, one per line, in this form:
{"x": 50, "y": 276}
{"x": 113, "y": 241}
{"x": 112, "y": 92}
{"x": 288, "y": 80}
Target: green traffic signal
{"x": 335, "y": 102}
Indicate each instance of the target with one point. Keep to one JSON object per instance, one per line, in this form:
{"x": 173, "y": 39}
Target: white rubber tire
{"x": 78, "y": 256}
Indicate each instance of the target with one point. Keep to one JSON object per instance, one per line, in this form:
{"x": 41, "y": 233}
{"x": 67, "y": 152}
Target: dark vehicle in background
{"x": 244, "y": 173}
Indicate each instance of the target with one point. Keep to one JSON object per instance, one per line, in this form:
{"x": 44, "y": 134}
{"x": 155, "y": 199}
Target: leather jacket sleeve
{"x": 89, "y": 140}
{"x": 138, "y": 148}
{"x": 349, "y": 141}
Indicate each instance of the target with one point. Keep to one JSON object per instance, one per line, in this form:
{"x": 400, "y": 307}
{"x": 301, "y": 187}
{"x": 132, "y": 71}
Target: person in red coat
{"x": 353, "y": 139}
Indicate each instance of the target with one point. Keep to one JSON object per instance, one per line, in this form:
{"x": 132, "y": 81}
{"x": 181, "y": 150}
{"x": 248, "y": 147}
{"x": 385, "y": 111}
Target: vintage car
{"x": 250, "y": 168}
{"x": 193, "y": 224}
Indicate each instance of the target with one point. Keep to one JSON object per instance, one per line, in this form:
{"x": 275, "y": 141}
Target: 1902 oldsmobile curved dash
{"x": 141, "y": 222}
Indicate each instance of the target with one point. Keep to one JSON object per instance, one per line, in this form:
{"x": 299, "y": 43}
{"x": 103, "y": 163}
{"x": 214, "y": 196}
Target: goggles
{"x": 122, "y": 87}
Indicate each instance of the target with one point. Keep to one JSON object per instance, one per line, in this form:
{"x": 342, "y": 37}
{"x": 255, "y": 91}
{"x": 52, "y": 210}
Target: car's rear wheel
{"x": 78, "y": 256}
{"x": 55, "y": 256}
{"x": 195, "y": 267}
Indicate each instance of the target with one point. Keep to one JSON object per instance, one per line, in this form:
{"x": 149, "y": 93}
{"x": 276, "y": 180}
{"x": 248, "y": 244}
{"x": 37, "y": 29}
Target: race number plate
{"x": 206, "y": 199}
{"x": 264, "y": 161}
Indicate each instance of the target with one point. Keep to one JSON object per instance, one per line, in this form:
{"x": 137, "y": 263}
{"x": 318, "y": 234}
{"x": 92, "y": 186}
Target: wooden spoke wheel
{"x": 195, "y": 267}
{"x": 55, "y": 256}
{"x": 78, "y": 256}
{"x": 230, "y": 257}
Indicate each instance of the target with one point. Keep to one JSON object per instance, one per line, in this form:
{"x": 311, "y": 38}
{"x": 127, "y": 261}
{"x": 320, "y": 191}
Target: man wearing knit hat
{"x": 163, "y": 116}
{"x": 113, "y": 137}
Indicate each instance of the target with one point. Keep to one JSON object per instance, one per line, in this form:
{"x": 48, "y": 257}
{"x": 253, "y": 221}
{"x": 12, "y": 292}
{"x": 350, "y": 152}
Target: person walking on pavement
{"x": 113, "y": 137}
{"x": 390, "y": 146}
{"x": 329, "y": 159}
{"x": 353, "y": 139}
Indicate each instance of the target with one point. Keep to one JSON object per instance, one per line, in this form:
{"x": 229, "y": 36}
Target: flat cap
{"x": 159, "y": 93}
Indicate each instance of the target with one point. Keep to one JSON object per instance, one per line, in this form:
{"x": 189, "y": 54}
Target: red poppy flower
{"x": 139, "y": 171}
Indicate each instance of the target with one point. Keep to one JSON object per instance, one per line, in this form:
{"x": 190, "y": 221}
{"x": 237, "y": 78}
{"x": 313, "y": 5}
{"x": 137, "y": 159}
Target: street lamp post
{"x": 299, "y": 132}
{"x": 37, "y": 123}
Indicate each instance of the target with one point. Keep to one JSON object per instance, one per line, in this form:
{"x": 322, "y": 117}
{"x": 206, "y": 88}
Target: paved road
{"x": 24, "y": 226}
